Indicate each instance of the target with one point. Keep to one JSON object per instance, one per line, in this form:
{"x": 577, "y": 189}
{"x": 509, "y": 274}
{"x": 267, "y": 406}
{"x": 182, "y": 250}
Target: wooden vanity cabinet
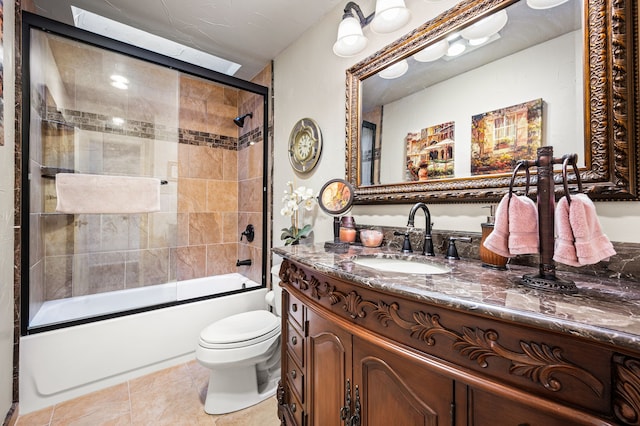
{"x": 399, "y": 391}
{"x": 359, "y": 356}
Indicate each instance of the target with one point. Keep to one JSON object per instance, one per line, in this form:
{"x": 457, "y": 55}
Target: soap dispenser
{"x": 489, "y": 258}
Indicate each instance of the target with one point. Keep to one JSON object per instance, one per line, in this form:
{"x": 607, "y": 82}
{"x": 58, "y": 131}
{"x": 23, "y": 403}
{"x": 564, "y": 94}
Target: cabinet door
{"x": 398, "y": 388}
{"x": 329, "y": 366}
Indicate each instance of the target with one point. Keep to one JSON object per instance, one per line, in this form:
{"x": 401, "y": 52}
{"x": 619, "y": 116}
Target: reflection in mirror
{"x": 513, "y": 56}
{"x": 536, "y": 78}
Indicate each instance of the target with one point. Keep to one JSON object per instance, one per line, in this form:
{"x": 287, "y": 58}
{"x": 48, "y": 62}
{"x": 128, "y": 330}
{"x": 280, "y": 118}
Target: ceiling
{"x": 249, "y": 32}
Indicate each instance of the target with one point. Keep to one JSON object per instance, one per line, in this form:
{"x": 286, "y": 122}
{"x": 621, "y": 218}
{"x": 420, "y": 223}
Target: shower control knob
{"x": 249, "y": 232}
{"x": 294, "y": 340}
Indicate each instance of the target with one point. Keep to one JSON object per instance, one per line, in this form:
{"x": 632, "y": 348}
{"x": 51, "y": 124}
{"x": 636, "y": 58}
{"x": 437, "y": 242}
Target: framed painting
{"x": 502, "y": 137}
{"x": 430, "y": 153}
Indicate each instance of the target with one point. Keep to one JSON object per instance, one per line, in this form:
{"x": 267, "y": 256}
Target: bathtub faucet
{"x": 427, "y": 247}
{"x": 245, "y": 262}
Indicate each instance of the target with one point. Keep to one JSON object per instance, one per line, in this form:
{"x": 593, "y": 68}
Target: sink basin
{"x": 401, "y": 265}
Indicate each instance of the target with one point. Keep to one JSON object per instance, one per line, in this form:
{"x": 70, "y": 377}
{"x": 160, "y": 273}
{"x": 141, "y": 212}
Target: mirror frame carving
{"x": 610, "y": 108}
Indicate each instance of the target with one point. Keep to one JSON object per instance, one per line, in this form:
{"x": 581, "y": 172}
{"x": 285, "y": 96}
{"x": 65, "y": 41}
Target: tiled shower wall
{"x": 213, "y": 204}
{"x": 208, "y": 201}
{"x": 251, "y": 192}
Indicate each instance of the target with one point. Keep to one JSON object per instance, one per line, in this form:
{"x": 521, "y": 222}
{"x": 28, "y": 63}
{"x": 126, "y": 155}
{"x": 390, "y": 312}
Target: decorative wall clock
{"x": 305, "y": 145}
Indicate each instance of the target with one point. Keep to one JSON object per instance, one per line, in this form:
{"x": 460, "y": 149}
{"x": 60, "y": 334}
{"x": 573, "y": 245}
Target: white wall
{"x": 309, "y": 81}
{"x": 6, "y": 219}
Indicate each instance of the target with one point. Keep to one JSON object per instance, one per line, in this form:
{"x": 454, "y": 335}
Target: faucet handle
{"x": 452, "y": 251}
{"x": 406, "y": 244}
{"x": 249, "y": 232}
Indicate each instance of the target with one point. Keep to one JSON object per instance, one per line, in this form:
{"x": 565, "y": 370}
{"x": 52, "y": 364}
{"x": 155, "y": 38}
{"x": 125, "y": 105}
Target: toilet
{"x": 243, "y": 353}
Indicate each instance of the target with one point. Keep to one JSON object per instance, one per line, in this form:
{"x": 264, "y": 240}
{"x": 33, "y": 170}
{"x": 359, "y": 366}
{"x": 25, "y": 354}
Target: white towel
{"x": 81, "y": 193}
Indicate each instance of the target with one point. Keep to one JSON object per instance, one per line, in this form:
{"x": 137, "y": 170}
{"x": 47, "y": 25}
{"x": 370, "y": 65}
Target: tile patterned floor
{"x": 174, "y": 396}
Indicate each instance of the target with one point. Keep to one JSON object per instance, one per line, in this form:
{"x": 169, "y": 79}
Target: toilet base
{"x": 233, "y": 389}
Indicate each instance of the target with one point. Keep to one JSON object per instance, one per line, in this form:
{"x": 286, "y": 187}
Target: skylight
{"x": 124, "y": 33}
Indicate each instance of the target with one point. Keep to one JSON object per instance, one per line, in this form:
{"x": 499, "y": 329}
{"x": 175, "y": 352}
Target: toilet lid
{"x": 242, "y": 329}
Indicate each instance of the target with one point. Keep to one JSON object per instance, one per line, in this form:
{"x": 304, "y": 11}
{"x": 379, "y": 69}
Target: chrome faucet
{"x": 427, "y": 247}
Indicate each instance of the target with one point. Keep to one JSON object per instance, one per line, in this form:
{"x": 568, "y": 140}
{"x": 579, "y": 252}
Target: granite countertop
{"x": 603, "y": 309}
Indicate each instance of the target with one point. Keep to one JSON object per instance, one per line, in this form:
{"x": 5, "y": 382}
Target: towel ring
{"x": 514, "y": 175}
{"x": 573, "y": 158}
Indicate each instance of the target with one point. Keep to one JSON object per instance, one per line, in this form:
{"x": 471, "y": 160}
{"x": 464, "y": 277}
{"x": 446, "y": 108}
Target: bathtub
{"x": 69, "y": 362}
{"x": 79, "y": 307}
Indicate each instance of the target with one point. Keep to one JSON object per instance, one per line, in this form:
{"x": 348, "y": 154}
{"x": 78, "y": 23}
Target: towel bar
{"x": 546, "y": 278}
{"x": 51, "y": 172}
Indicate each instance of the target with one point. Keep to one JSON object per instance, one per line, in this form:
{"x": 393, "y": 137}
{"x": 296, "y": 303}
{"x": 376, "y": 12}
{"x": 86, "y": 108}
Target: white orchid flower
{"x": 292, "y": 200}
{"x": 308, "y": 204}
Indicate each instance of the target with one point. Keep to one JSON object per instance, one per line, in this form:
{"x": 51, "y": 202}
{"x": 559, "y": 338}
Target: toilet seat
{"x": 240, "y": 330}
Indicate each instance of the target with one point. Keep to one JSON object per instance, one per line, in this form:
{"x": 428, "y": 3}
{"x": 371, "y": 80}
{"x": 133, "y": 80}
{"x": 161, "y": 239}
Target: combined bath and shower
{"x": 239, "y": 121}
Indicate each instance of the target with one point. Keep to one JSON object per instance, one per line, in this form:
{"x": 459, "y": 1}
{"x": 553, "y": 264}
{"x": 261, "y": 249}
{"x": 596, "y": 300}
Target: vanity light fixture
{"x": 468, "y": 46}
{"x": 351, "y": 40}
{"x": 486, "y": 27}
{"x": 433, "y": 52}
{"x": 389, "y": 16}
{"x": 544, "y": 4}
{"x": 456, "y": 48}
{"x": 394, "y": 71}
{"x": 478, "y": 41}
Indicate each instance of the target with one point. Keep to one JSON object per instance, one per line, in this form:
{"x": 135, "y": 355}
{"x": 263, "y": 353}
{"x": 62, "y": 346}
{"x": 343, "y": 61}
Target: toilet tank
{"x": 274, "y": 297}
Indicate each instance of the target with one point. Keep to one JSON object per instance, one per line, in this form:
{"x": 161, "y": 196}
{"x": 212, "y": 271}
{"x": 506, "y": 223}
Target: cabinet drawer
{"x": 496, "y": 410}
{"x": 296, "y": 408}
{"x": 295, "y": 377}
{"x": 295, "y": 310}
{"x": 295, "y": 343}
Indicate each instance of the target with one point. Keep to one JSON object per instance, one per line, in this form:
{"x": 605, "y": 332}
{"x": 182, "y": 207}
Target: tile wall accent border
{"x": 104, "y": 123}
{"x": 194, "y": 137}
{"x": 252, "y": 136}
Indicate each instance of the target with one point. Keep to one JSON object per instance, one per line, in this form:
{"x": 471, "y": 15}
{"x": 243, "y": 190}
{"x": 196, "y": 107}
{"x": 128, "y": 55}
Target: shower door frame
{"x": 32, "y": 21}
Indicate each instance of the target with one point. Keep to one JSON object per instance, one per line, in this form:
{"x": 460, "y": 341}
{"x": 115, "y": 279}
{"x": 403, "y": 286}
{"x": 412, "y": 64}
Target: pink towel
{"x": 523, "y": 226}
{"x": 564, "y": 250}
{"x": 498, "y": 240}
{"x": 592, "y": 245}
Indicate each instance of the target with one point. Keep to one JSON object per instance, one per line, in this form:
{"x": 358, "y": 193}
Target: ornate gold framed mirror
{"x": 596, "y": 118}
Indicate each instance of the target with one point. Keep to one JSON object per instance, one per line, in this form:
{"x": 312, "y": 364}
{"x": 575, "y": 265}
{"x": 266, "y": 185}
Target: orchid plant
{"x": 293, "y": 201}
